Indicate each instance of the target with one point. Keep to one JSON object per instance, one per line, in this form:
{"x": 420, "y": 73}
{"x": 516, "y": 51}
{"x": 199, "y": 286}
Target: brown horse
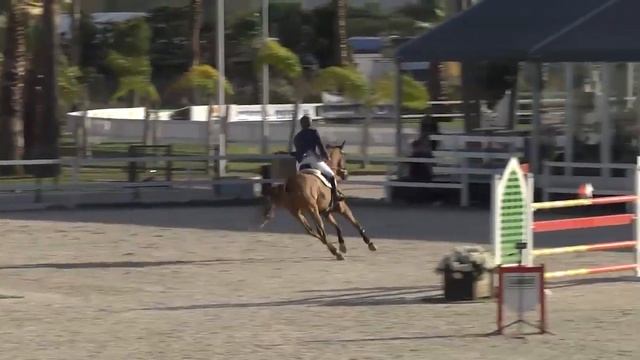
{"x": 305, "y": 194}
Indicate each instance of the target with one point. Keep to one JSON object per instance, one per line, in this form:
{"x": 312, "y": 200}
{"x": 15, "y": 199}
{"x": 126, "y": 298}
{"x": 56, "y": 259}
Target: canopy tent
{"x": 607, "y": 35}
{"x": 496, "y": 30}
{"x": 536, "y": 31}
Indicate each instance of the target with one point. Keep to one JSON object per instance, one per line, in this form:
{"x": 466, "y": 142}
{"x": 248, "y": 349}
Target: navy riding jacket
{"x": 308, "y": 140}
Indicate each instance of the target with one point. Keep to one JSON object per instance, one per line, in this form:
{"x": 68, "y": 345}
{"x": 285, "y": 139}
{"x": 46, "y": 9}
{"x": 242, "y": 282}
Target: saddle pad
{"x": 317, "y": 174}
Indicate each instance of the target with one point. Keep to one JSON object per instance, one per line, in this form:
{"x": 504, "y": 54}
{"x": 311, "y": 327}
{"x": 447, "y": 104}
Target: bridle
{"x": 338, "y": 167}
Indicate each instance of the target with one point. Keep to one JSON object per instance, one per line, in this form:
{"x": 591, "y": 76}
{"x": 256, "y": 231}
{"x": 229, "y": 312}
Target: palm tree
{"x": 286, "y": 63}
{"x": 134, "y": 82}
{"x": 341, "y": 7}
{"x": 196, "y": 24}
{"x": 202, "y": 81}
{"x": 13, "y": 75}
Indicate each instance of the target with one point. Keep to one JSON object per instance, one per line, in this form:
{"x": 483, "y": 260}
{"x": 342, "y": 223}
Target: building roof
{"x": 496, "y": 30}
{"x": 609, "y": 34}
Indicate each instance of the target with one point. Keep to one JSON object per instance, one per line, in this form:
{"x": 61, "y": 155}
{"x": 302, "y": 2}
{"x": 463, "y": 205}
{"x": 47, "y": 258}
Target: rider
{"x": 310, "y": 153}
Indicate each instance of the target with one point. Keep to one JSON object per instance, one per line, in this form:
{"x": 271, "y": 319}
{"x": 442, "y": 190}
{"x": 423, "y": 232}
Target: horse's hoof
{"x": 343, "y": 248}
{"x": 339, "y": 257}
{"x": 372, "y": 247}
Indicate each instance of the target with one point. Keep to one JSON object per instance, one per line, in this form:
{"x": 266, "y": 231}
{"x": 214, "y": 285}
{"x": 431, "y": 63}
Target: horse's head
{"x": 337, "y": 160}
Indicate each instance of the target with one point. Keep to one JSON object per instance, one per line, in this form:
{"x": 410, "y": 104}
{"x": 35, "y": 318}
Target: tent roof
{"x": 608, "y": 35}
{"x": 496, "y": 30}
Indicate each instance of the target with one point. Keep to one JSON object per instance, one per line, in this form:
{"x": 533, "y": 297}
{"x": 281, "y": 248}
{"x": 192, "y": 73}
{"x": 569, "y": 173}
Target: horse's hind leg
{"x": 345, "y": 211}
{"x": 332, "y": 220}
{"x": 323, "y": 234}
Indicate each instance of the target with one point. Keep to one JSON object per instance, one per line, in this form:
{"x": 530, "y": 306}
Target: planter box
{"x": 462, "y": 286}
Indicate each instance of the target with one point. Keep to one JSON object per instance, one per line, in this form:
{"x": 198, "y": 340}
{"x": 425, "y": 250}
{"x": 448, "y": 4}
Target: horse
{"x": 308, "y": 194}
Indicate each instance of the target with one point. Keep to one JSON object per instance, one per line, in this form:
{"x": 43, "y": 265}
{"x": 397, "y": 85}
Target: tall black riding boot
{"x": 336, "y": 197}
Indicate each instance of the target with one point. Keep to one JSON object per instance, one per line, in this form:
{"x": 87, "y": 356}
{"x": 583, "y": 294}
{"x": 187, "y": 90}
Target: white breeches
{"x": 315, "y": 163}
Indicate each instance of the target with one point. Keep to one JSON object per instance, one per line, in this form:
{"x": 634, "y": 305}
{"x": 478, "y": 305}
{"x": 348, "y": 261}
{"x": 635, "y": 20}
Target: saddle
{"x": 317, "y": 174}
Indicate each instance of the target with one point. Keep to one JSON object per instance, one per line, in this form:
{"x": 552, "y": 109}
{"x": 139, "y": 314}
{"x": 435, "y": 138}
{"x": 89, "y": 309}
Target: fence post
{"x": 546, "y": 180}
{"x": 133, "y": 165}
{"x": 75, "y": 170}
{"x": 38, "y": 193}
{"x": 495, "y": 234}
{"x": 366, "y": 127}
{"x": 169, "y": 164}
{"x": 217, "y": 168}
{"x": 388, "y": 189}
{"x": 464, "y": 192}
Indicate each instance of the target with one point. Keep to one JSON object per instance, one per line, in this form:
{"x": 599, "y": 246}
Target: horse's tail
{"x": 268, "y": 208}
{"x": 270, "y": 196}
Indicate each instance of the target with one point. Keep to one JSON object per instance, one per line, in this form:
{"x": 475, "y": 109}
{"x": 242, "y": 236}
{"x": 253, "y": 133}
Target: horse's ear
{"x": 342, "y": 146}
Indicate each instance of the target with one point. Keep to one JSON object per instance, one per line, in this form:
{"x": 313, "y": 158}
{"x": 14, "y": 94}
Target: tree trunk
{"x": 341, "y": 7}
{"x": 76, "y": 46}
{"x": 48, "y": 146}
{"x": 13, "y": 77}
{"x": 211, "y": 138}
{"x": 196, "y": 24}
{"x": 33, "y": 110}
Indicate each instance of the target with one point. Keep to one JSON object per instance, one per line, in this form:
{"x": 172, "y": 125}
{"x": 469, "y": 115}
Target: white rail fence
{"x": 564, "y": 178}
{"x": 455, "y": 165}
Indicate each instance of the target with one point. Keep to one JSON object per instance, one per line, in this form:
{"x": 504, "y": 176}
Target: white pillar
{"x": 534, "y": 146}
{"x": 222, "y": 133}
{"x": 530, "y": 199}
{"x": 264, "y": 128}
{"x": 605, "y": 116}
{"x": 636, "y": 223}
{"x": 630, "y": 83}
{"x": 570, "y": 116}
{"x": 398, "y": 108}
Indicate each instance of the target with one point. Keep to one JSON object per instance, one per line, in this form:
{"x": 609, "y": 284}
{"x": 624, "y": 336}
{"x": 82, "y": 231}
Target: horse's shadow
{"x": 360, "y": 297}
{"x": 405, "y": 338}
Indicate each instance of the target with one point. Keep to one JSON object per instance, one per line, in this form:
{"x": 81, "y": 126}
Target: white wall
{"x": 373, "y": 66}
{"x": 276, "y": 112}
{"x": 246, "y": 132}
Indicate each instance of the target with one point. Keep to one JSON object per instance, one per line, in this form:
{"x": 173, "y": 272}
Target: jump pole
{"x": 529, "y": 226}
{"x": 636, "y": 225}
